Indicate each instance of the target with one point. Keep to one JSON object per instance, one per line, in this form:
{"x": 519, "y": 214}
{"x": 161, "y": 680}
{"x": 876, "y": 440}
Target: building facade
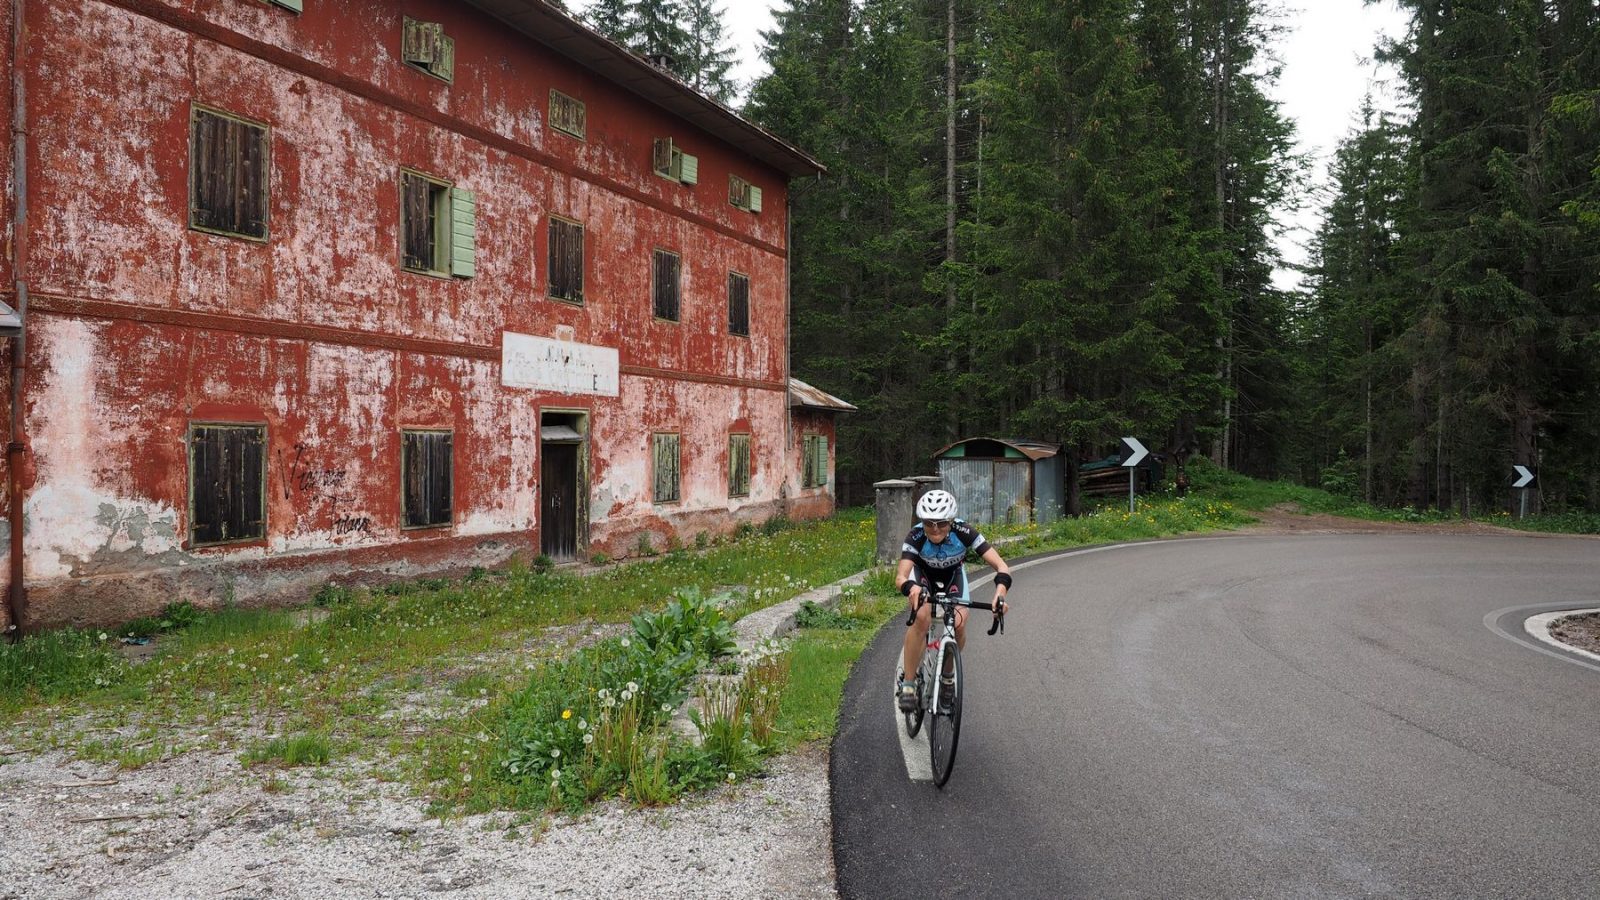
{"x": 315, "y": 289}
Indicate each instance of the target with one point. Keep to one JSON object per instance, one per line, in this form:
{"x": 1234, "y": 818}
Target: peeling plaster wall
{"x": 143, "y": 327}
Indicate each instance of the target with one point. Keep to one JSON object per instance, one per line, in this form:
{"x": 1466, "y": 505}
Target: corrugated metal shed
{"x": 565, "y": 35}
{"x": 804, "y": 395}
{"x": 1004, "y": 479}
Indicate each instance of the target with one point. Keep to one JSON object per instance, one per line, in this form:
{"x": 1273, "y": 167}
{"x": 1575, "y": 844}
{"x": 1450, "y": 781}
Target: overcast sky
{"x": 1326, "y": 71}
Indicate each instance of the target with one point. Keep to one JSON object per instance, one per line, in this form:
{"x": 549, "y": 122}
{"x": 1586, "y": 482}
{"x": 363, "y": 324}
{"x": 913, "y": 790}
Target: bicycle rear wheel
{"x": 944, "y": 728}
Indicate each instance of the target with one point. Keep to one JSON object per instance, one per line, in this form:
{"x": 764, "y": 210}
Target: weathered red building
{"x": 367, "y": 288}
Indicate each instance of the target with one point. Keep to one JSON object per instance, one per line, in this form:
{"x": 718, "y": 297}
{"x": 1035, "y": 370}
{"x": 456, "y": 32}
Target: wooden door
{"x": 558, "y": 504}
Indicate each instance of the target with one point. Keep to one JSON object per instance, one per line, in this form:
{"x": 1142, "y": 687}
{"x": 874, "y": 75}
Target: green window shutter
{"x": 444, "y": 61}
{"x": 419, "y": 40}
{"x": 691, "y": 169}
{"x": 755, "y": 199}
{"x": 463, "y": 233}
{"x": 822, "y": 460}
{"x": 289, "y": 4}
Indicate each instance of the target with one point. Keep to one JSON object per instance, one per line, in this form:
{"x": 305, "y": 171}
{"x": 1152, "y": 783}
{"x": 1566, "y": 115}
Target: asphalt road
{"x": 1298, "y": 716}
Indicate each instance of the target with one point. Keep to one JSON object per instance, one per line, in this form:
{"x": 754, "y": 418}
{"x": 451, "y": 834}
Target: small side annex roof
{"x": 805, "y": 396}
{"x": 985, "y": 447}
{"x": 562, "y": 33}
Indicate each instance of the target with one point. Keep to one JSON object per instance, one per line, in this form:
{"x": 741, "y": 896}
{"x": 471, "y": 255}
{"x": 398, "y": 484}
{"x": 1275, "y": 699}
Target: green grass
{"x": 308, "y": 749}
{"x": 821, "y": 658}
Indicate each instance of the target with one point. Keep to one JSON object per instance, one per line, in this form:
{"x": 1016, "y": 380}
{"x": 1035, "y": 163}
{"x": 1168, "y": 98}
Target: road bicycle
{"x": 941, "y": 697}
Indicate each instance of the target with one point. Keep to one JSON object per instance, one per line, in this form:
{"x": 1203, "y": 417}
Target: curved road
{"x": 1303, "y": 716}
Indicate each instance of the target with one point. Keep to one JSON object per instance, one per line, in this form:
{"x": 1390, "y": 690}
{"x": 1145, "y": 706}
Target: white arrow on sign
{"x": 1136, "y": 452}
{"x": 1524, "y": 478}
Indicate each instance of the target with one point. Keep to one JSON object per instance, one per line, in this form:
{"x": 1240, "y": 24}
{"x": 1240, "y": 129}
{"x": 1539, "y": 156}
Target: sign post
{"x": 1136, "y": 454}
{"x": 1525, "y": 479}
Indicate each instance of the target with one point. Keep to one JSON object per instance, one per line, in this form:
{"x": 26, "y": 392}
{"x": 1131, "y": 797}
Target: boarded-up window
{"x": 743, "y": 194}
{"x": 425, "y": 46}
{"x": 738, "y": 465}
{"x": 426, "y": 476}
{"x": 229, "y": 168}
{"x": 566, "y": 260}
{"x": 738, "y": 304}
{"x": 227, "y": 483}
{"x": 438, "y": 227}
{"x": 567, "y": 114}
{"x": 815, "y": 464}
{"x": 665, "y": 462}
{"x": 664, "y": 283}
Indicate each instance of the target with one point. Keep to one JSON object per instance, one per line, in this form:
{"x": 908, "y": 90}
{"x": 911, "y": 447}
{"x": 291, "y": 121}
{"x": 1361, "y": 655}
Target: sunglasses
{"x": 936, "y": 523}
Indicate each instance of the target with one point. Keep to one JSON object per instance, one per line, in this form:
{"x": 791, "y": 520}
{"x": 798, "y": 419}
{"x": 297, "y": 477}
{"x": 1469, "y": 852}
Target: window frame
{"x": 656, "y": 438}
{"x": 196, "y": 110}
{"x": 442, "y": 214}
{"x": 733, "y": 275}
{"x": 405, "y": 513}
{"x": 656, "y": 254}
{"x": 261, "y": 487}
{"x": 550, "y": 250}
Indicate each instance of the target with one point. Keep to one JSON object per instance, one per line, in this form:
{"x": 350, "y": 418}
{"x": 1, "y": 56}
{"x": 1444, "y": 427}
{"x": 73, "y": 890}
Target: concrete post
{"x": 924, "y": 483}
{"x": 896, "y": 505}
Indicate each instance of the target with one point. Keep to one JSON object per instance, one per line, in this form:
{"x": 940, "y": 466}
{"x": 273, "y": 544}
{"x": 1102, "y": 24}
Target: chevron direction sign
{"x": 1136, "y": 452}
{"x": 1523, "y": 474}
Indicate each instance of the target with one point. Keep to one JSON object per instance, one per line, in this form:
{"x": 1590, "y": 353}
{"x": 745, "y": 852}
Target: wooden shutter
{"x": 427, "y": 478}
{"x": 666, "y": 460}
{"x": 226, "y": 489}
{"x": 289, "y": 4}
{"x": 254, "y": 166}
{"x": 753, "y": 197}
{"x": 738, "y": 304}
{"x": 666, "y": 285}
{"x": 661, "y": 156}
{"x": 822, "y": 460}
{"x": 566, "y": 260}
{"x": 420, "y": 42}
{"x": 690, "y": 169}
{"x": 463, "y": 233}
{"x": 416, "y": 249}
{"x": 738, "y": 465}
{"x": 444, "y": 58}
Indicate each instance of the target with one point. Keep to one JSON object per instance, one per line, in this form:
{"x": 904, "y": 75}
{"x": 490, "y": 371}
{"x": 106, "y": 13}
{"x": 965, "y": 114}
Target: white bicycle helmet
{"x": 936, "y": 505}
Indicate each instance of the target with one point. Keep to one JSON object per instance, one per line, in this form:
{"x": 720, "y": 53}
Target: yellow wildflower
{"x": 566, "y": 714}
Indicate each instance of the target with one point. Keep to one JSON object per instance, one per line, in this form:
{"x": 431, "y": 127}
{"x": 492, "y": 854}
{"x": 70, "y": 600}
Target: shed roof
{"x": 802, "y": 394}
{"x": 565, "y": 35}
{"x": 1034, "y": 450}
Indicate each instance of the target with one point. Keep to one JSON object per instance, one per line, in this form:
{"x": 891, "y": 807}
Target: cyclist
{"x": 931, "y": 560}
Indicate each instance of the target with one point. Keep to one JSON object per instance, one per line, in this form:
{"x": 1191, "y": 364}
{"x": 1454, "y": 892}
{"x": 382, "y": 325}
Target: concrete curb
{"x": 1538, "y": 626}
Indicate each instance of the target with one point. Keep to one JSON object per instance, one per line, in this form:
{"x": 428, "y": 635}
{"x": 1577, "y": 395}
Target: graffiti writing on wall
{"x": 323, "y": 484}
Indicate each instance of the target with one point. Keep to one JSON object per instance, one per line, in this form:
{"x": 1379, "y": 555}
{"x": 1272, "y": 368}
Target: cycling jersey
{"x": 939, "y": 564}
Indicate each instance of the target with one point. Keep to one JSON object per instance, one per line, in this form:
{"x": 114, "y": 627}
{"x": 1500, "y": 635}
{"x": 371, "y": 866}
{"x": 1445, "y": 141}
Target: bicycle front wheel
{"x": 944, "y": 724}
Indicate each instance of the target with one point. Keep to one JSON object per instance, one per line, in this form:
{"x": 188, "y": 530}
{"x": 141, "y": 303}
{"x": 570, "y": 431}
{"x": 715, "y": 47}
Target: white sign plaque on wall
{"x": 563, "y": 367}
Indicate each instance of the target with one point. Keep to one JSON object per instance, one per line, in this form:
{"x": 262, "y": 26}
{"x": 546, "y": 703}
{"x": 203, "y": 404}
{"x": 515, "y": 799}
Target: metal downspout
{"x": 17, "y": 447}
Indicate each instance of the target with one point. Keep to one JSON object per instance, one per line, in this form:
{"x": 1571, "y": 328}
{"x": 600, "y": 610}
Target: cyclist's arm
{"x": 991, "y": 556}
{"x": 902, "y": 574}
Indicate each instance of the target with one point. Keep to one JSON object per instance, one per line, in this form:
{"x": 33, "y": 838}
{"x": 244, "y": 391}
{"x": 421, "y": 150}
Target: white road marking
{"x": 1538, "y": 627}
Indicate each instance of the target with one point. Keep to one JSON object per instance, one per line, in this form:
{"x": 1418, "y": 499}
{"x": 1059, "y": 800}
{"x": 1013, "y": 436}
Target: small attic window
{"x": 425, "y": 46}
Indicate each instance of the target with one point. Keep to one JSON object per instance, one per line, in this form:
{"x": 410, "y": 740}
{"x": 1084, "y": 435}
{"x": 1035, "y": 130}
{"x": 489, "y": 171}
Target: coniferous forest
{"x": 1053, "y": 219}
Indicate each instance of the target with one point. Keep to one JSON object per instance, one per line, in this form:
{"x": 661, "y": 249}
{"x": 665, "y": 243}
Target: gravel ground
{"x": 197, "y": 825}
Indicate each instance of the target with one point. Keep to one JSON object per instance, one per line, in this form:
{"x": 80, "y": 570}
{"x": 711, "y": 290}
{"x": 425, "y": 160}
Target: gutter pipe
{"x": 16, "y": 448}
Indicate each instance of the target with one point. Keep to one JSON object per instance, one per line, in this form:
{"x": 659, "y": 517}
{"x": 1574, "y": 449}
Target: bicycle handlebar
{"x": 999, "y": 623}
